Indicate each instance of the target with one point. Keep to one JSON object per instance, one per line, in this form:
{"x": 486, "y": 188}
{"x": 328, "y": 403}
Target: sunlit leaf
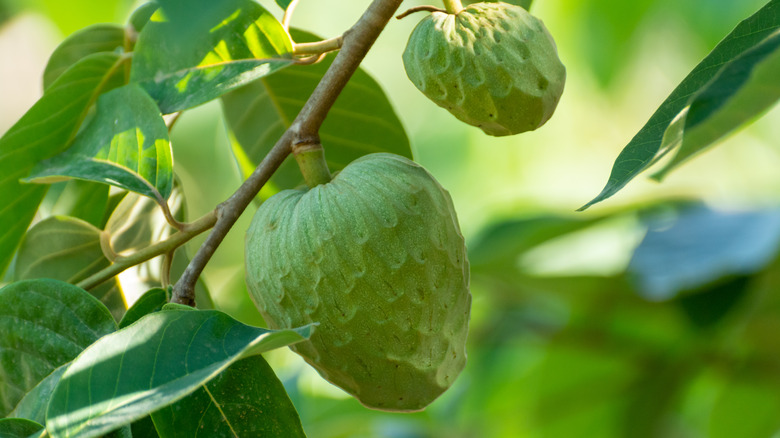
{"x": 142, "y": 15}
{"x": 45, "y": 130}
{"x": 125, "y": 145}
{"x": 33, "y": 405}
{"x": 18, "y": 428}
{"x": 361, "y": 122}
{"x": 158, "y": 360}
{"x": 93, "y": 39}
{"x": 67, "y": 249}
{"x": 743, "y": 89}
{"x": 43, "y": 324}
{"x": 138, "y": 222}
{"x": 746, "y": 407}
{"x": 247, "y": 399}
{"x": 646, "y": 146}
{"x": 195, "y": 51}
{"x": 151, "y": 301}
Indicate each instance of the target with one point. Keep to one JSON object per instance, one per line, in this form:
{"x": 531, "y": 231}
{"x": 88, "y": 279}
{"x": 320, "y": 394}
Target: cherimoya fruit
{"x": 492, "y": 65}
{"x": 377, "y": 258}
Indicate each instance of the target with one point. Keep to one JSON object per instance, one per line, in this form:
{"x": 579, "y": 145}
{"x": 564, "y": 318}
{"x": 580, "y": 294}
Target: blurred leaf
{"x": 18, "y": 427}
{"x": 152, "y": 301}
{"x": 33, "y": 405}
{"x": 90, "y": 40}
{"x": 707, "y": 307}
{"x": 43, "y": 324}
{"x": 198, "y": 50}
{"x": 701, "y": 246}
{"x": 84, "y": 200}
{"x": 743, "y": 89}
{"x": 125, "y": 145}
{"x": 502, "y": 243}
{"x": 136, "y": 223}
{"x": 156, "y": 361}
{"x": 362, "y": 121}
{"x": 73, "y": 15}
{"x": 284, "y": 4}
{"x": 67, "y": 249}
{"x": 646, "y": 146}
{"x": 246, "y": 399}
{"x": 746, "y": 408}
{"x": 58, "y": 114}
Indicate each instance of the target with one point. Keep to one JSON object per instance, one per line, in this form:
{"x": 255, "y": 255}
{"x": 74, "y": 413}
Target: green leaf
{"x": 158, "y": 360}
{"x": 45, "y": 130}
{"x": 43, "y": 324}
{"x": 746, "y": 407}
{"x": 247, "y": 399}
{"x": 90, "y": 40}
{"x": 284, "y": 4}
{"x": 743, "y": 89}
{"x": 67, "y": 249}
{"x": 142, "y": 15}
{"x": 361, "y": 122}
{"x": 144, "y": 428}
{"x": 151, "y": 301}
{"x": 198, "y": 50}
{"x": 125, "y": 145}
{"x": 646, "y": 146}
{"x": 18, "y": 427}
{"x": 83, "y": 200}
{"x": 33, "y": 405}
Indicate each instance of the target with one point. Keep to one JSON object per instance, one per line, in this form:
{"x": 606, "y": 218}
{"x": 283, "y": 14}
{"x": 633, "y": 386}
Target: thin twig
{"x": 318, "y": 47}
{"x": 357, "y": 41}
{"x": 425, "y": 8}
{"x": 288, "y": 14}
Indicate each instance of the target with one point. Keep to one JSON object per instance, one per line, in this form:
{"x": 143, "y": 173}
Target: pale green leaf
{"x": 247, "y": 399}
{"x": 45, "y": 130}
{"x": 743, "y": 89}
{"x": 90, "y": 40}
{"x": 646, "y": 146}
{"x": 68, "y": 249}
{"x": 361, "y": 122}
{"x": 43, "y": 324}
{"x": 193, "y": 52}
{"x": 125, "y": 145}
{"x": 150, "y": 364}
{"x": 84, "y": 200}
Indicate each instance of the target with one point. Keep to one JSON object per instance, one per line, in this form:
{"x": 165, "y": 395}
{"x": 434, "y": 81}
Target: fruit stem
{"x": 453, "y": 6}
{"x": 311, "y": 160}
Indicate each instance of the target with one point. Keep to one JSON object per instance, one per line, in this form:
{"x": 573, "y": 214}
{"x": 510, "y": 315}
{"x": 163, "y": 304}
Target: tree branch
{"x": 357, "y": 41}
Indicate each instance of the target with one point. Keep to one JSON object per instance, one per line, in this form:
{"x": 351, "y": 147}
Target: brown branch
{"x": 357, "y": 41}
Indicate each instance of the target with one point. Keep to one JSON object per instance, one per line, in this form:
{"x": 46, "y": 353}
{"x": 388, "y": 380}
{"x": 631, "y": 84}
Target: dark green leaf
{"x": 125, "y": 145}
{"x": 151, "y": 301}
{"x": 361, "y": 122}
{"x": 84, "y": 200}
{"x": 646, "y": 146}
{"x": 90, "y": 40}
{"x": 18, "y": 427}
{"x": 709, "y": 305}
{"x": 247, "y": 399}
{"x": 158, "y": 360}
{"x": 284, "y": 4}
{"x": 33, "y": 405}
{"x": 43, "y": 324}
{"x": 701, "y": 246}
{"x": 142, "y": 15}
{"x": 67, "y": 249}
{"x": 45, "y": 130}
{"x": 198, "y": 50}
{"x": 743, "y": 89}
{"x": 144, "y": 428}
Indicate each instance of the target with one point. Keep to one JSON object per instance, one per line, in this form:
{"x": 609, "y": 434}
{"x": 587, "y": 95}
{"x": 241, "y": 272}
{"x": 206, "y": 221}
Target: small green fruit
{"x": 376, "y": 257}
{"x": 492, "y": 65}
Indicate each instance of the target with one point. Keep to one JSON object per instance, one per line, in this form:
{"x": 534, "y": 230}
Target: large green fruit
{"x": 492, "y": 65}
{"x": 376, "y": 257}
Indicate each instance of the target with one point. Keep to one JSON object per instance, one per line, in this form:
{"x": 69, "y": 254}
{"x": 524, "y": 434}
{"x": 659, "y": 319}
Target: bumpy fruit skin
{"x": 492, "y": 65}
{"x": 377, "y": 258}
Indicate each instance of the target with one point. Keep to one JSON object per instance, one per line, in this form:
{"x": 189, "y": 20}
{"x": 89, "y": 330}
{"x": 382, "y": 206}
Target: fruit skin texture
{"x": 377, "y": 258}
{"x": 492, "y": 65}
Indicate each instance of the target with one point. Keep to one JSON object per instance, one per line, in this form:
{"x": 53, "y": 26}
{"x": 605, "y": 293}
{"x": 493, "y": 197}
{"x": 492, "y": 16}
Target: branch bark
{"x": 304, "y": 129}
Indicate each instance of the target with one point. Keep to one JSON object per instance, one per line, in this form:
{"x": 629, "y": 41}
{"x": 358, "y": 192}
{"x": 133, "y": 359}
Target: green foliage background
{"x": 568, "y": 338}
